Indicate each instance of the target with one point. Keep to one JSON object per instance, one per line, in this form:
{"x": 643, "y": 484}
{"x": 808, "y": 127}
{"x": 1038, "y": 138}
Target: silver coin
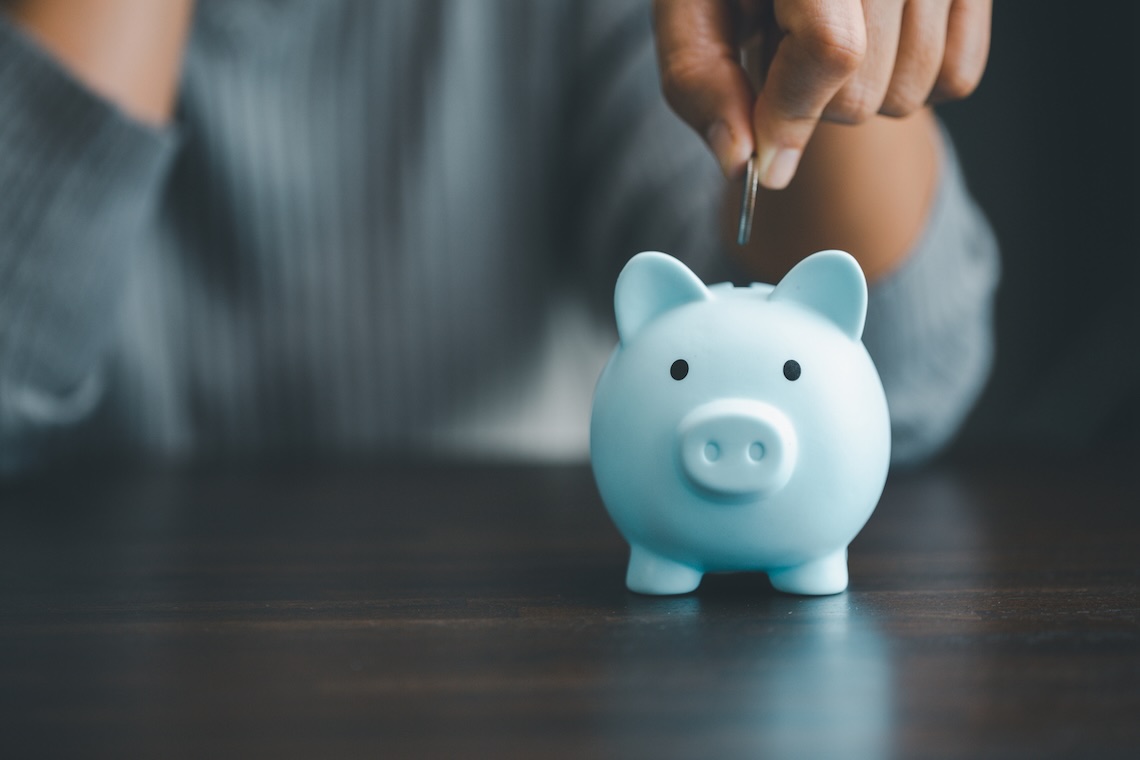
{"x": 747, "y": 203}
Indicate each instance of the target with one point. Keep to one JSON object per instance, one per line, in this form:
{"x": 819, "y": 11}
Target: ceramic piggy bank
{"x": 740, "y": 428}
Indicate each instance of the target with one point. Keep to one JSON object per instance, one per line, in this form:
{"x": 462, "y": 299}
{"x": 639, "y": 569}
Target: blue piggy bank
{"x": 740, "y": 428}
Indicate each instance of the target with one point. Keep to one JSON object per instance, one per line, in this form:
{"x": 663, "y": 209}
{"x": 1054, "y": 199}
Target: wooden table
{"x": 433, "y": 610}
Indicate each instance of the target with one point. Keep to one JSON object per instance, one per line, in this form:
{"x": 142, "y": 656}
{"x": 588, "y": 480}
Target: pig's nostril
{"x": 756, "y": 451}
{"x": 712, "y": 451}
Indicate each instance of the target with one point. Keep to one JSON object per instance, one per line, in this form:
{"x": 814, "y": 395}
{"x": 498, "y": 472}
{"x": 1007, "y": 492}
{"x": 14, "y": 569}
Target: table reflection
{"x": 750, "y": 671}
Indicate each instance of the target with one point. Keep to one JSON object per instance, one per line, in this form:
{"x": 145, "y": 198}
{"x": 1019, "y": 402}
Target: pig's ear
{"x": 831, "y": 283}
{"x": 651, "y": 284}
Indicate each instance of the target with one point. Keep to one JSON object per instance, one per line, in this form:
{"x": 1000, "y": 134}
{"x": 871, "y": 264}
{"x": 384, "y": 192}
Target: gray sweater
{"x": 384, "y": 227}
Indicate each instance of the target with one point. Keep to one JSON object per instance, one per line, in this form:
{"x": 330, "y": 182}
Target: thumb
{"x": 822, "y": 45}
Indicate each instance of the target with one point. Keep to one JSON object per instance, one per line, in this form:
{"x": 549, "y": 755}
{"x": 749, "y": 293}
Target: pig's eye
{"x": 792, "y": 369}
{"x": 679, "y": 369}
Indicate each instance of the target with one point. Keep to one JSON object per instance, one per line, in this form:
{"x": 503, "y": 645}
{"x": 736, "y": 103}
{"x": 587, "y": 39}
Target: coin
{"x": 747, "y": 202}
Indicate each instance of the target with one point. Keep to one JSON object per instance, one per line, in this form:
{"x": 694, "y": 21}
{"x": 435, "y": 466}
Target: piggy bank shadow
{"x": 719, "y": 588}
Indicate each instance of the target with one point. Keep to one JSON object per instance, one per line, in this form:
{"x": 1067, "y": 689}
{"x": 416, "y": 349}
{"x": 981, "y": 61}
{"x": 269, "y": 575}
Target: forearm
{"x": 893, "y": 194}
{"x": 127, "y": 51}
{"x": 930, "y": 321}
{"x": 864, "y": 189}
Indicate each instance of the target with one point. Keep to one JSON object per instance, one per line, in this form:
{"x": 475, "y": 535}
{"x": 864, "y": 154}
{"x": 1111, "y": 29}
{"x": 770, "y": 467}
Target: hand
{"x": 837, "y": 60}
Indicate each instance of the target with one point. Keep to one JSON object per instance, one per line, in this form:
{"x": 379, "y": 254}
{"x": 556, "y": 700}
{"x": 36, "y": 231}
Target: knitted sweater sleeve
{"x": 644, "y": 179}
{"x": 78, "y": 182}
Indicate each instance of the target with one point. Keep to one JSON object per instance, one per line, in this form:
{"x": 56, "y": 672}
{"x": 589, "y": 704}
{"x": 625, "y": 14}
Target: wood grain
{"x": 436, "y": 610}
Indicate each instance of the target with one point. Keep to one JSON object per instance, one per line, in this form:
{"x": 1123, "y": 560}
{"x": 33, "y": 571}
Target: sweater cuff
{"x": 78, "y": 180}
{"x": 929, "y": 323}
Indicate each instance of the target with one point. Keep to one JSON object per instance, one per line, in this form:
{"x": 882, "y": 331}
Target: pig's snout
{"x": 738, "y": 447}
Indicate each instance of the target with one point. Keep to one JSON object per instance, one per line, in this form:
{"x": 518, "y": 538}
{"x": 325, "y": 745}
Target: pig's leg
{"x": 651, "y": 573}
{"x": 826, "y": 575}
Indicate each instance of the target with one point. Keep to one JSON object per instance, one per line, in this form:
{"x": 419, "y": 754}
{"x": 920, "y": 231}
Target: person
{"x": 244, "y": 229}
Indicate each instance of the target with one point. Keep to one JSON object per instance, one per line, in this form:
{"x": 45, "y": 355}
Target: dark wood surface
{"x": 452, "y": 611}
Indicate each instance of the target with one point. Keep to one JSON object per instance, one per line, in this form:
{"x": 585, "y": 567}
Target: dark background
{"x": 1049, "y": 147}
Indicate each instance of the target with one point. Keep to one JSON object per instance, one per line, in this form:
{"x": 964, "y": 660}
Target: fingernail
{"x": 777, "y": 167}
{"x": 719, "y": 138}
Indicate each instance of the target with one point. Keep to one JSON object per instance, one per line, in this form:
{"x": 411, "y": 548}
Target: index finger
{"x": 822, "y": 44}
{"x": 701, "y": 76}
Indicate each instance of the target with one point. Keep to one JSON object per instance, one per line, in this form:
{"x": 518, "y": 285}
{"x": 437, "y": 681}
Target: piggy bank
{"x": 740, "y": 429}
